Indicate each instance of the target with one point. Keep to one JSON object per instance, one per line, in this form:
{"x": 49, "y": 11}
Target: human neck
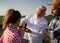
{"x": 13, "y": 26}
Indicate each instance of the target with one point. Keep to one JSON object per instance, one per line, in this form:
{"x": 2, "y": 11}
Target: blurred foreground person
{"x": 10, "y": 24}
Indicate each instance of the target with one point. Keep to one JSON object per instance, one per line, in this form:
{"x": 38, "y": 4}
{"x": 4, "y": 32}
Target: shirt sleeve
{"x": 26, "y": 18}
{"x": 41, "y": 31}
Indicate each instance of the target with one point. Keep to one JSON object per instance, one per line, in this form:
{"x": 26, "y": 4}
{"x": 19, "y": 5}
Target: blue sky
{"x": 24, "y": 6}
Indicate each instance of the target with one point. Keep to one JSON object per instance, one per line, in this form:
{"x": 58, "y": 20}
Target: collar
{"x": 57, "y": 17}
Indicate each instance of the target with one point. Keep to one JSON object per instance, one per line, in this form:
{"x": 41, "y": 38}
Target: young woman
{"x": 10, "y": 24}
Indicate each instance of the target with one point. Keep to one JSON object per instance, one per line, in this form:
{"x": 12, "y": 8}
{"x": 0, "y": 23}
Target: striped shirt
{"x": 54, "y": 25}
{"x": 10, "y": 35}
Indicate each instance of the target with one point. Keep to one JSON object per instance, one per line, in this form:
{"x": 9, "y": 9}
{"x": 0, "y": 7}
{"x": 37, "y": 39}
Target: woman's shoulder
{"x": 10, "y": 32}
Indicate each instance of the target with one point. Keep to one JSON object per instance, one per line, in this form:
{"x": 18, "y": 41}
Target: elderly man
{"x": 36, "y": 24}
{"x": 54, "y": 26}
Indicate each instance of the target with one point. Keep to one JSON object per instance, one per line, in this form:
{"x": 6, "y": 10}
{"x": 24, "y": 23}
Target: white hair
{"x": 43, "y": 7}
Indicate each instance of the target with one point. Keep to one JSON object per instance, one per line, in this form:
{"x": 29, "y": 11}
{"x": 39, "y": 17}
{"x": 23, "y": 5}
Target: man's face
{"x": 54, "y": 10}
{"x": 39, "y": 11}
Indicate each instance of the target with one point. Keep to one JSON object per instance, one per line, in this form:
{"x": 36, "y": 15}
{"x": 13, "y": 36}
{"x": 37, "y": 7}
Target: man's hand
{"x": 28, "y": 30}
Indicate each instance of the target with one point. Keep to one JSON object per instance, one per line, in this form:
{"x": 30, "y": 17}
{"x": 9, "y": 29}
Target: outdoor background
{"x": 25, "y": 7}
{"x": 45, "y": 39}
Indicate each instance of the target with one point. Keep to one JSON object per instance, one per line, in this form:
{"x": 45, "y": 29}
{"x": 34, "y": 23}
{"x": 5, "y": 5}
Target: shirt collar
{"x": 57, "y": 17}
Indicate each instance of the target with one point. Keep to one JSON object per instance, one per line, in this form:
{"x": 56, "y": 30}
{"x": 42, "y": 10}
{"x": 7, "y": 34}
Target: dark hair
{"x": 11, "y": 17}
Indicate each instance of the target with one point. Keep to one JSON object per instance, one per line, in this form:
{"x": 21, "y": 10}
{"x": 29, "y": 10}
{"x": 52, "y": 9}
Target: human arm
{"x": 25, "y": 19}
{"x": 40, "y": 32}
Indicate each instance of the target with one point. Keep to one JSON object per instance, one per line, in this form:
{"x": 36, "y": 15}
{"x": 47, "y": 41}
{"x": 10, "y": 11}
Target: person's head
{"x": 40, "y": 11}
{"x": 55, "y": 7}
{"x": 12, "y": 17}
